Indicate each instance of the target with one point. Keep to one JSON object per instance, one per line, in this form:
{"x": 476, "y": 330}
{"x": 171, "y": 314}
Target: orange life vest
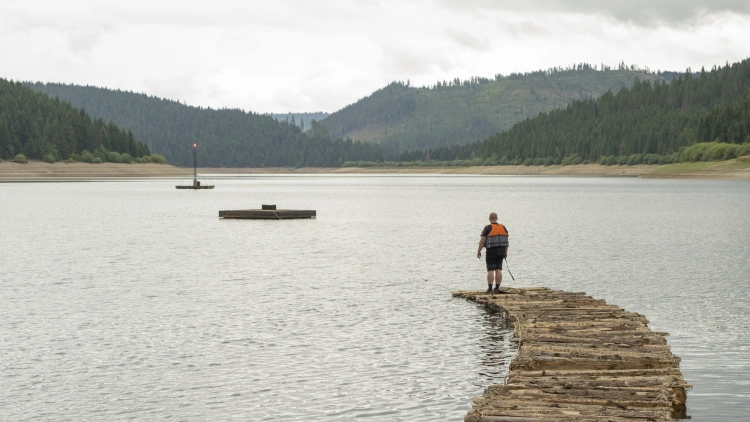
{"x": 498, "y": 237}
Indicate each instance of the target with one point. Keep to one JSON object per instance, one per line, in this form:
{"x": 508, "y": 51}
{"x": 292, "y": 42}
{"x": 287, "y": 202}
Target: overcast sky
{"x": 305, "y": 55}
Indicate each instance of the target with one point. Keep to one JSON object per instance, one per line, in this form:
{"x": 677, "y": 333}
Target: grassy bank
{"x": 730, "y": 169}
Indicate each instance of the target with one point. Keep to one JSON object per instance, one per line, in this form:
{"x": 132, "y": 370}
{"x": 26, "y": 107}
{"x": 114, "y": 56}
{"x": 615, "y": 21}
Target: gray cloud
{"x": 637, "y": 12}
{"x": 525, "y": 28}
{"x": 300, "y": 55}
{"x": 398, "y": 60}
{"x": 82, "y": 32}
{"x": 465, "y": 39}
{"x": 85, "y": 41}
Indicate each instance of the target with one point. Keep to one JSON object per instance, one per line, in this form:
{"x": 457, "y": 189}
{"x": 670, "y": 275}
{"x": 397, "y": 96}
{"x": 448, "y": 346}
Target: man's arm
{"x": 481, "y": 245}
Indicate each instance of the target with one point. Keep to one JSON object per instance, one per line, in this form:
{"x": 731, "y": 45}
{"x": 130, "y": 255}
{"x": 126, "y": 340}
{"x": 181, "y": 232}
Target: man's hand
{"x": 479, "y": 254}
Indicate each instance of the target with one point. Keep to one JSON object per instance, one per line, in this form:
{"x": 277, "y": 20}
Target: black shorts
{"x": 494, "y": 258}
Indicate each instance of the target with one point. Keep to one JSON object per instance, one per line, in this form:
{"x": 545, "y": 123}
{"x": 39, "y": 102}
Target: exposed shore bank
{"x": 731, "y": 169}
{"x": 41, "y": 171}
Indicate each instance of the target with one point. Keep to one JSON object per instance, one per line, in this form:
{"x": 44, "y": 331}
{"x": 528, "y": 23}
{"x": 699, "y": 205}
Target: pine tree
{"x": 5, "y": 147}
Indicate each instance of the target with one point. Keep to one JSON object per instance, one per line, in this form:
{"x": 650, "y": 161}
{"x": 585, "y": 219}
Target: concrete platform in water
{"x": 268, "y": 214}
{"x": 579, "y": 359}
{"x": 196, "y": 185}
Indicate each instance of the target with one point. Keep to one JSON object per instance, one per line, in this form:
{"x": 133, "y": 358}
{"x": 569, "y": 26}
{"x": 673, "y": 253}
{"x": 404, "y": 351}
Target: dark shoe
{"x": 489, "y": 290}
{"x": 497, "y": 290}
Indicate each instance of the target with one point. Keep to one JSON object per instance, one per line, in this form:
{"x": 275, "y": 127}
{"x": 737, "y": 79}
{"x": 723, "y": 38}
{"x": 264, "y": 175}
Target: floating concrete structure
{"x": 267, "y": 212}
{"x": 579, "y": 359}
{"x": 196, "y": 185}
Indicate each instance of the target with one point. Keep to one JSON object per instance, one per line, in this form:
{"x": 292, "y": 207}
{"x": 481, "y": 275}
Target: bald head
{"x": 493, "y": 217}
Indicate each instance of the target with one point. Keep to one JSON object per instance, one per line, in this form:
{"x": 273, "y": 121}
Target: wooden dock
{"x": 579, "y": 359}
{"x": 269, "y": 214}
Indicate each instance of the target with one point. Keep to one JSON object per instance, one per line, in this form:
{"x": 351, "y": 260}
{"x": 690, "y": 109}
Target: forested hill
{"x": 459, "y": 112}
{"x": 40, "y": 127}
{"x": 646, "y": 119}
{"x": 226, "y": 138}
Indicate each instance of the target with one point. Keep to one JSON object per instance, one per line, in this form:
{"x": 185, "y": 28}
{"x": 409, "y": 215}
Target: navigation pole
{"x": 195, "y": 164}
{"x": 196, "y": 184}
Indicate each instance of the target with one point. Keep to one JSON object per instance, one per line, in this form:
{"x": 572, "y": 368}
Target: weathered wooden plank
{"x": 579, "y": 358}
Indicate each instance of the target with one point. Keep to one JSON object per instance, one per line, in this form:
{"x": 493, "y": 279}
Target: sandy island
{"x": 32, "y": 171}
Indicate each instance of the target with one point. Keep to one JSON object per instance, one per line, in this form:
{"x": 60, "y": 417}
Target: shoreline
{"x": 37, "y": 171}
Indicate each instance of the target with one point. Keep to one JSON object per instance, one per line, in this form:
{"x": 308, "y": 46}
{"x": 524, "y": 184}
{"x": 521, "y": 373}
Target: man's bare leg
{"x": 498, "y": 279}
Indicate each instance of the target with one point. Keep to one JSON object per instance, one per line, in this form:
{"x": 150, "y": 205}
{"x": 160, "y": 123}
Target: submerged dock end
{"x": 579, "y": 359}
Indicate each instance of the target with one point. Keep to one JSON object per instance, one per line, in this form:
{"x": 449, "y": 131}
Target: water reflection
{"x": 497, "y": 349}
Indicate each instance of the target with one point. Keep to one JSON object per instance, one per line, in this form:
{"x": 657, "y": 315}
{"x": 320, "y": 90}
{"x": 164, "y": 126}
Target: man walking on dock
{"x": 494, "y": 237}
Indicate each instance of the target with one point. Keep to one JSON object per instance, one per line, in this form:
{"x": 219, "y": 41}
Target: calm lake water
{"x": 132, "y": 300}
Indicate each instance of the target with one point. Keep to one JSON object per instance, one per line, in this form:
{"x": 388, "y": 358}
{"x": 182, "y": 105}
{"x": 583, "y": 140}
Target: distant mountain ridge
{"x": 397, "y": 122}
{"x": 458, "y": 112}
{"x": 303, "y": 120}
{"x": 226, "y": 138}
{"x": 647, "y": 118}
{"x": 649, "y": 123}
